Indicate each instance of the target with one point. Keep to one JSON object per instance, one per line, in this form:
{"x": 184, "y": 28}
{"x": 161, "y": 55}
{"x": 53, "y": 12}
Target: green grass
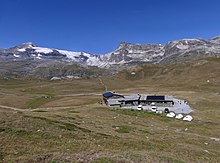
{"x": 1, "y": 156}
{"x": 170, "y": 159}
{"x": 38, "y": 102}
{"x": 60, "y": 124}
{"x": 134, "y": 112}
{"x": 213, "y": 59}
{"x": 103, "y": 160}
{"x": 142, "y": 113}
{"x": 123, "y": 129}
{"x": 85, "y": 130}
{"x": 24, "y": 133}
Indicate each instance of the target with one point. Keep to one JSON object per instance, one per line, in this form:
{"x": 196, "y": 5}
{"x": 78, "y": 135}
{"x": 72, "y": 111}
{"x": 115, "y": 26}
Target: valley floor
{"x": 40, "y": 122}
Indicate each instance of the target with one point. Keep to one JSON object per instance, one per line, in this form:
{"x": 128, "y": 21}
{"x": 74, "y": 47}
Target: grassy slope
{"x": 87, "y": 131}
{"x": 47, "y": 70}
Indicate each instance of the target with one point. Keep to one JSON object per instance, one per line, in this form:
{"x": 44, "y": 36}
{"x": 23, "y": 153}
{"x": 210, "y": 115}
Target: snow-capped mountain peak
{"x": 125, "y": 53}
{"x": 31, "y": 51}
{"x": 29, "y": 44}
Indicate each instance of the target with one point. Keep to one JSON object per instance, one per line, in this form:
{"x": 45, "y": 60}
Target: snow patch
{"x": 28, "y": 44}
{"x": 21, "y": 50}
{"x": 182, "y": 47}
{"x": 55, "y": 78}
{"x": 70, "y": 54}
{"x": 42, "y": 50}
{"x": 72, "y": 77}
{"x": 17, "y": 56}
{"x": 93, "y": 61}
{"x": 39, "y": 56}
{"x": 190, "y": 39}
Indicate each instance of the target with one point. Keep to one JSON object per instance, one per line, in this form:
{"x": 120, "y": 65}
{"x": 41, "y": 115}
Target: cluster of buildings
{"x": 146, "y": 102}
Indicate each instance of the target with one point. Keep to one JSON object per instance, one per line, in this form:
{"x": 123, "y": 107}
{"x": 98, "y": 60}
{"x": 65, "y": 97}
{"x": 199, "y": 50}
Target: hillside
{"x": 48, "y": 69}
{"x": 62, "y": 121}
{"x": 198, "y": 74}
{"x": 27, "y": 59}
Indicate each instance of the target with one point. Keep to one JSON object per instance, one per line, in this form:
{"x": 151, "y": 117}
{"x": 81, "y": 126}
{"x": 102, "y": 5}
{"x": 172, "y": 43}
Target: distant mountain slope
{"x": 189, "y": 49}
{"x": 31, "y": 52}
{"x": 127, "y": 52}
{"x": 28, "y": 58}
{"x": 48, "y": 70}
{"x": 172, "y": 52}
{"x": 199, "y": 73}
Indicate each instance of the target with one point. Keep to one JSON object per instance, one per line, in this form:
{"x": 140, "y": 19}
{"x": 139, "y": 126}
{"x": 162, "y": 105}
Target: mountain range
{"x": 29, "y": 59}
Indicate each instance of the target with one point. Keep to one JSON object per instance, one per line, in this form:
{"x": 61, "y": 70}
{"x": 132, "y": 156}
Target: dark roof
{"x": 156, "y": 98}
{"x": 110, "y": 94}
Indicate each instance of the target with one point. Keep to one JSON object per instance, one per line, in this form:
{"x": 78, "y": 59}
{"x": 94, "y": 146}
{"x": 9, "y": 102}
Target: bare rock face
{"x": 127, "y": 52}
{"x": 189, "y": 49}
{"x": 172, "y": 52}
{"x": 28, "y": 57}
{"x": 215, "y": 40}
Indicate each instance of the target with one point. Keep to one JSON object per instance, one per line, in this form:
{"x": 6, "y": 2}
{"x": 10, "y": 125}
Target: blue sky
{"x": 98, "y": 26}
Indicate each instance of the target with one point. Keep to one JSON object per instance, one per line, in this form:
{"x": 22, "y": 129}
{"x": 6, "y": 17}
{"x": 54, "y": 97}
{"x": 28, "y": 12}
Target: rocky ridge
{"x": 29, "y": 58}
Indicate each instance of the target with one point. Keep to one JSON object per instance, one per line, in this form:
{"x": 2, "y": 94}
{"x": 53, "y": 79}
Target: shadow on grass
{"x": 103, "y": 160}
{"x": 62, "y": 125}
{"x": 143, "y": 113}
{"x": 24, "y": 133}
{"x": 123, "y": 129}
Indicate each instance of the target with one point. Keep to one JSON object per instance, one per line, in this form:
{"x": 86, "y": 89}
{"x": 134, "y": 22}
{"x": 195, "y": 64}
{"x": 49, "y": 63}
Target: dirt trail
{"x": 30, "y": 110}
{"x": 12, "y": 108}
{"x": 106, "y": 89}
{"x": 52, "y": 108}
{"x": 81, "y": 94}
